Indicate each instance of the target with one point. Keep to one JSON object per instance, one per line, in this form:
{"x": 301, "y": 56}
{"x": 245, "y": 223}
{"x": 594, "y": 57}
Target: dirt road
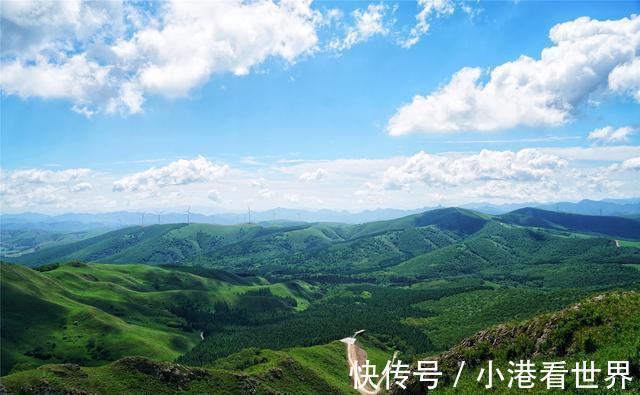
{"x": 357, "y": 356}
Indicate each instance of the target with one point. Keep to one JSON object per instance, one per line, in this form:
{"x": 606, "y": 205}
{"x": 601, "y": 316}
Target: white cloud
{"x": 259, "y": 183}
{"x": 626, "y": 78}
{"x": 180, "y": 172}
{"x": 81, "y": 187}
{"x": 214, "y": 195}
{"x": 313, "y": 175}
{"x": 76, "y": 79}
{"x": 611, "y": 135}
{"x": 266, "y": 193}
{"x": 293, "y": 198}
{"x": 30, "y": 27}
{"x": 512, "y": 191}
{"x": 440, "y": 170}
{"x": 108, "y": 56}
{"x": 39, "y": 176}
{"x": 369, "y": 190}
{"x": 33, "y": 187}
{"x": 428, "y": 9}
{"x": 530, "y": 92}
{"x": 367, "y": 23}
{"x": 631, "y": 164}
{"x": 594, "y": 153}
{"x": 355, "y": 184}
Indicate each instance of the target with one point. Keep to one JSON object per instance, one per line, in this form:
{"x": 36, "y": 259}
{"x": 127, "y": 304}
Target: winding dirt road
{"x": 357, "y": 356}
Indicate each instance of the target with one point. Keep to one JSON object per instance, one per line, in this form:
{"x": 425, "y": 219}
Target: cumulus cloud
{"x": 180, "y": 172}
{"x": 611, "y": 135}
{"x": 107, "y": 56}
{"x": 214, "y": 195}
{"x": 81, "y": 187}
{"x": 428, "y": 9}
{"x": 31, "y": 27}
{"x": 589, "y": 57}
{"x": 40, "y": 176}
{"x": 440, "y": 170}
{"x": 313, "y": 175}
{"x": 367, "y": 23}
{"x": 626, "y": 78}
{"x": 418, "y": 180}
{"x": 631, "y": 164}
{"x": 513, "y": 191}
{"x": 33, "y": 187}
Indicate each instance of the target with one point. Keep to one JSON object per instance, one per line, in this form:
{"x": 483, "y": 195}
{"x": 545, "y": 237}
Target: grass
{"x": 90, "y": 314}
{"x": 309, "y": 370}
{"x": 460, "y": 315}
{"x": 629, "y": 243}
{"x": 600, "y": 329}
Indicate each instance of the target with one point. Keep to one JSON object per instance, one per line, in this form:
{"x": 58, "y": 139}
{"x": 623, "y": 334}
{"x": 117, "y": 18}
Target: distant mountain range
{"x": 331, "y": 247}
{"x": 74, "y": 222}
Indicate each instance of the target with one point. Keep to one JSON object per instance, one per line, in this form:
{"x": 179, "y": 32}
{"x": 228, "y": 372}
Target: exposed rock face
{"x": 66, "y": 370}
{"x": 171, "y": 374}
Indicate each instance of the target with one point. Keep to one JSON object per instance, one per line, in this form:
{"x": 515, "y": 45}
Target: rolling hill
{"x": 90, "y": 314}
{"x": 325, "y": 248}
{"x": 622, "y": 227}
{"x": 549, "y": 259}
{"x": 237, "y": 301}
{"x": 600, "y": 328}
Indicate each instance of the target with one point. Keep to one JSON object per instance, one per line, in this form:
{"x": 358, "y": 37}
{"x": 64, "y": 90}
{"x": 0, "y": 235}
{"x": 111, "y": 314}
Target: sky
{"x": 111, "y": 106}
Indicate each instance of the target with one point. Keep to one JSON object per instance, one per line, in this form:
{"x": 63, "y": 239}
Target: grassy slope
{"x": 303, "y": 370}
{"x": 604, "y": 225}
{"x": 331, "y": 248}
{"x": 322, "y": 248}
{"x": 548, "y": 258}
{"x": 16, "y": 242}
{"x": 600, "y": 329}
{"x": 96, "y": 313}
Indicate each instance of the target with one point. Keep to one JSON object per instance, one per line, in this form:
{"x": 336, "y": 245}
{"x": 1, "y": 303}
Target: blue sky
{"x": 325, "y": 103}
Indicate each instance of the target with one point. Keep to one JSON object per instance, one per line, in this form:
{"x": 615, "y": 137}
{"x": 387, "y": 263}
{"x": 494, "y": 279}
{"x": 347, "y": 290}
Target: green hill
{"x": 16, "y": 242}
{"x": 307, "y": 248}
{"x": 301, "y": 370}
{"x": 276, "y": 372}
{"x": 89, "y": 314}
{"x": 626, "y": 228}
{"x": 540, "y": 257}
{"x": 322, "y": 249}
{"x": 601, "y": 328}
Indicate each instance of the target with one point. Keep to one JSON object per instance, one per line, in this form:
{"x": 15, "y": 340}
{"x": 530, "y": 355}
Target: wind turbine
{"x": 249, "y": 212}
{"x": 142, "y": 219}
{"x": 158, "y": 214}
{"x": 188, "y": 215}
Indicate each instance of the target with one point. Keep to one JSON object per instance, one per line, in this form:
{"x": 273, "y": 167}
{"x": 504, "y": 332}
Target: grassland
{"x": 304, "y": 370}
{"x": 89, "y": 314}
{"x": 600, "y": 329}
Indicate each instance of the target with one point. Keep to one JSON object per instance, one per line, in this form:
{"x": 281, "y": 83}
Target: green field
{"x": 89, "y": 314}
